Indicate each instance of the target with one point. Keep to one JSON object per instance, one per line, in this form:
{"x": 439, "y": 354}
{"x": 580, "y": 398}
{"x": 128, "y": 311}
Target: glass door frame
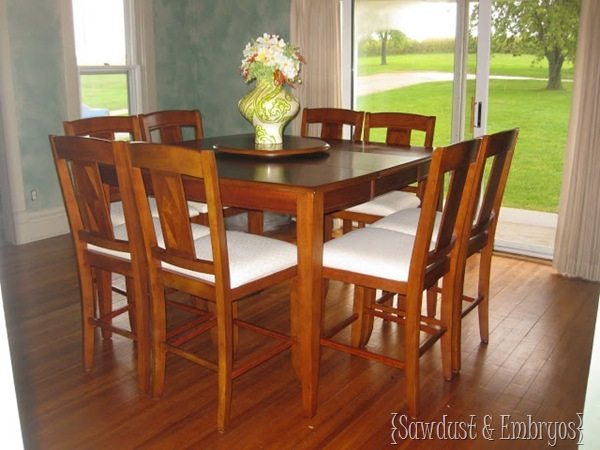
{"x": 459, "y": 100}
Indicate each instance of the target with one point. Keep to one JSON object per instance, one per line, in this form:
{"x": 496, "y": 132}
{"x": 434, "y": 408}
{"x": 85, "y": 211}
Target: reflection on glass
{"x": 404, "y": 53}
{"x": 99, "y": 32}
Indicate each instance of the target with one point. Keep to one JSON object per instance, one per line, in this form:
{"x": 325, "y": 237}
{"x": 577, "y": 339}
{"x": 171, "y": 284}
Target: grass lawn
{"x": 541, "y": 115}
{"x": 501, "y": 64}
{"x": 105, "y": 91}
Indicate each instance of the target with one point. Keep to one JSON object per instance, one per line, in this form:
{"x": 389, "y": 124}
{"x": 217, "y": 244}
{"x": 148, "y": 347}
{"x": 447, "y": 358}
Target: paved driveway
{"x": 385, "y": 81}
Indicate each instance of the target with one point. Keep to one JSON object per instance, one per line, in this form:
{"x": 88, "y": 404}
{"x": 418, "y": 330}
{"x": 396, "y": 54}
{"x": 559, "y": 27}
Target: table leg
{"x": 309, "y": 234}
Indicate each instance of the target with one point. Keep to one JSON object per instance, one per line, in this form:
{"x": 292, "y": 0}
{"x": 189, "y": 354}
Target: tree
{"x": 545, "y": 28}
{"x": 392, "y": 42}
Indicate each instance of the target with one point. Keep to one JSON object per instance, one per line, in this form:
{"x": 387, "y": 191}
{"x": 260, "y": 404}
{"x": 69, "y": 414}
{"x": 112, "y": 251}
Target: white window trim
{"x": 140, "y": 39}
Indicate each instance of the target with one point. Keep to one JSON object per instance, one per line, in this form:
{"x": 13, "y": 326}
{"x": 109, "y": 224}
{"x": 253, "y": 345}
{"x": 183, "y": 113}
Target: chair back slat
{"x": 105, "y": 127}
{"x": 168, "y": 172}
{"x": 91, "y": 196}
{"x": 460, "y": 163}
{"x": 77, "y": 161}
{"x": 332, "y": 122}
{"x": 399, "y": 127}
{"x": 500, "y": 150}
{"x": 170, "y": 125}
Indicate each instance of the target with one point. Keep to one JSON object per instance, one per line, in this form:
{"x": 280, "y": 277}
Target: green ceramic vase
{"x": 268, "y": 107}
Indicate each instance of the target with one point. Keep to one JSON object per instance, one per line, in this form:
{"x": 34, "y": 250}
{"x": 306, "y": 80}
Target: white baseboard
{"x": 36, "y": 225}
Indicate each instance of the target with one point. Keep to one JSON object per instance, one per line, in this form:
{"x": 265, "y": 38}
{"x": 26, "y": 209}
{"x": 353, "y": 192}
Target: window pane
{"x": 99, "y": 32}
{"x": 405, "y": 60}
{"x": 104, "y": 94}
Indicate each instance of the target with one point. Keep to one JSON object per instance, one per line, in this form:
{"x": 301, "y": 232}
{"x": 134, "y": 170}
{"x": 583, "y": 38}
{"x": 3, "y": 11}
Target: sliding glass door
{"x": 479, "y": 67}
{"x": 404, "y": 59}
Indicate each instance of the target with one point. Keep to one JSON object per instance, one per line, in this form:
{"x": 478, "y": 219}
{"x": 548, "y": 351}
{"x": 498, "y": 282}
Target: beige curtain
{"x": 315, "y": 28}
{"x": 577, "y": 247}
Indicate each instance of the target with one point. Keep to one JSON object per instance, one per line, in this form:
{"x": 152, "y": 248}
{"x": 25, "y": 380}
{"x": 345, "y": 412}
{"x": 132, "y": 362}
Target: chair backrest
{"x": 168, "y": 172}
{"x": 105, "y": 127}
{"x": 464, "y": 165}
{"x": 499, "y": 154}
{"x": 79, "y": 164}
{"x": 399, "y": 127}
{"x": 169, "y": 125}
{"x": 332, "y": 122}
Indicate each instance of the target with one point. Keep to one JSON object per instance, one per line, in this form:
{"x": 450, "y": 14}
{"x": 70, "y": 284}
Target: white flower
{"x": 270, "y": 56}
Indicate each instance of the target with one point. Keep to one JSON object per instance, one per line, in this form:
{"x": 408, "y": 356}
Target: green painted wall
{"x": 36, "y": 54}
{"x": 199, "y": 45}
{"x": 198, "y": 52}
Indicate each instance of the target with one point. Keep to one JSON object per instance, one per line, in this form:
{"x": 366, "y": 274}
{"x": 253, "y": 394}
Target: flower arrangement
{"x": 270, "y": 57}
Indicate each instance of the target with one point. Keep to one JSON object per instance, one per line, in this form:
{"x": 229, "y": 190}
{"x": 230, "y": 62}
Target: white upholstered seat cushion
{"x": 388, "y": 203}
{"x": 120, "y": 232}
{"x": 117, "y": 214}
{"x": 251, "y": 257}
{"x": 371, "y": 251}
{"x": 406, "y": 221}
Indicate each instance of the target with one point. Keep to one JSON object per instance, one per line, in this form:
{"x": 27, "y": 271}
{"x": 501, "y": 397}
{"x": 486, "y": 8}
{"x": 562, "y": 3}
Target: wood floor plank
{"x": 535, "y": 365}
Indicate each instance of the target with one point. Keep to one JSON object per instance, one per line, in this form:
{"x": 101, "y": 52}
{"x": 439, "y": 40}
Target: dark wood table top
{"x": 343, "y": 161}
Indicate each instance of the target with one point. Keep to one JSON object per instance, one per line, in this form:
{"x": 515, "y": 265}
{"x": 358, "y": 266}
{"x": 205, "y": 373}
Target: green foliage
{"x": 537, "y": 27}
{"x": 546, "y": 29}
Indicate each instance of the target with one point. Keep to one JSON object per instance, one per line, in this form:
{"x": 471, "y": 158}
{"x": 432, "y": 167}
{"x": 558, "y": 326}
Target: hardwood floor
{"x": 536, "y": 365}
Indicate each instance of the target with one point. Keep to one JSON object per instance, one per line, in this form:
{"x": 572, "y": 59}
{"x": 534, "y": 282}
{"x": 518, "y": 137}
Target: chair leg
{"x": 362, "y": 327}
{"x": 132, "y": 304}
{"x": 135, "y": 292}
{"x": 294, "y": 327}
{"x": 87, "y": 313}
{"x": 411, "y": 343}
{"x": 104, "y": 289}
{"x": 225, "y": 351}
{"x": 431, "y": 302}
{"x": 158, "y": 339}
{"x": 485, "y": 266}
{"x": 450, "y": 317}
{"x": 214, "y": 333}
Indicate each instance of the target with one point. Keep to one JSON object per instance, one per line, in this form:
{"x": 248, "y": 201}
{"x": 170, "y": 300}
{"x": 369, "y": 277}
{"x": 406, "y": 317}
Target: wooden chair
{"x": 100, "y": 249}
{"x": 221, "y": 268}
{"x": 399, "y": 129}
{"x": 105, "y": 127}
{"x": 332, "y": 121}
{"x": 499, "y": 151}
{"x": 168, "y": 127}
{"x": 375, "y": 258}
{"x": 113, "y": 128}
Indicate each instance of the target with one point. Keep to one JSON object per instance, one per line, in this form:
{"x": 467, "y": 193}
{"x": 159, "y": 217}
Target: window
{"x": 106, "y": 57}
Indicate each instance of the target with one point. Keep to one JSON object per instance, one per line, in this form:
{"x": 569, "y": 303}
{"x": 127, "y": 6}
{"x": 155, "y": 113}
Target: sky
{"x": 99, "y": 32}
{"x": 419, "y": 20}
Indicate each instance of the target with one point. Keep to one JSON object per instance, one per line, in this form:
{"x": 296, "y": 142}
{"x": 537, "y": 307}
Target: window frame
{"x": 139, "y": 67}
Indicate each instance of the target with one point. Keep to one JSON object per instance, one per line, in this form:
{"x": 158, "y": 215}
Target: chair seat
{"x": 118, "y": 216}
{"x": 251, "y": 257}
{"x": 371, "y": 251}
{"x": 387, "y": 204}
{"x": 406, "y": 221}
{"x": 120, "y": 232}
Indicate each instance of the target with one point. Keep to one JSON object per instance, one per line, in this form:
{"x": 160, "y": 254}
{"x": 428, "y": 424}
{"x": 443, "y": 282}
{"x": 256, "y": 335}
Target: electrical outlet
{"x": 34, "y": 195}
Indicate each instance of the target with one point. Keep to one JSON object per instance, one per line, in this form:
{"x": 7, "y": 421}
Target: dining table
{"x": 308, "y": 178}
